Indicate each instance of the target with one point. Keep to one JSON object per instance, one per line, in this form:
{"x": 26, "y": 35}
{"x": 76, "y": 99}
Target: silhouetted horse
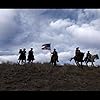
{"x": 78, "y": 59}
{"x": 93, "y": 57}
{"x": 22, "y": 58}
{"x": 53, "y": 60}
{"x": 30, "y": 58}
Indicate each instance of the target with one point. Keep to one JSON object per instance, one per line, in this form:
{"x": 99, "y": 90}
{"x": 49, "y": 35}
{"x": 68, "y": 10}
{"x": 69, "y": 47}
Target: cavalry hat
{"x": 77, "y": 48}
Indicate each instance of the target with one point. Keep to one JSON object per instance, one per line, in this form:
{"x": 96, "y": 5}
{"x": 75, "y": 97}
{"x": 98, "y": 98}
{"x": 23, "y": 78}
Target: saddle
{"x": 80, "y": 56}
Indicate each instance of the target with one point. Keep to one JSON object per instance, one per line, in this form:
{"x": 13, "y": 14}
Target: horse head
{"x": 96, "y": 56}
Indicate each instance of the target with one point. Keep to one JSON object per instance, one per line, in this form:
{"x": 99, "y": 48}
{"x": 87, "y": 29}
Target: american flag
{"x": 46, "y": 46}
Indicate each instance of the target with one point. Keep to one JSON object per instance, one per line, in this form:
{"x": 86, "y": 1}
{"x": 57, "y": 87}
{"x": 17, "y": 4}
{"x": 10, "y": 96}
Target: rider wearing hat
{"x": 77, "y": 52}
{"x": 88, "y": 55}
{"x": 30, "y": 54}
{"x": 55, "y": 54}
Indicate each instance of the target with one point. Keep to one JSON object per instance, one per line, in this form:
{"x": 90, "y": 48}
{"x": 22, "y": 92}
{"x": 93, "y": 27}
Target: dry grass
{"x": 45, "y": 77}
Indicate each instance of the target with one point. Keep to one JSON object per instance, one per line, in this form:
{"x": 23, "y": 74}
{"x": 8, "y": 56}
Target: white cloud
{"x": 60, "y": 23}
{"x": 6, "y": 22}
{"x": 85, "y": 35}
{"x": 8, "y": 58}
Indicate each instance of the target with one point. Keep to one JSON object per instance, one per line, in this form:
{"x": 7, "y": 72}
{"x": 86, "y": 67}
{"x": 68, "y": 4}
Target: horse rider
{"x": 20, "y": 52}
{"x": 30, "y": 54}
{"x": 24, "y": 54}
{"x": 55, "y": 54}
{"x": 77, "y": 52}
{"x": 88, "y": 55}
{"x": 24, "y": 51}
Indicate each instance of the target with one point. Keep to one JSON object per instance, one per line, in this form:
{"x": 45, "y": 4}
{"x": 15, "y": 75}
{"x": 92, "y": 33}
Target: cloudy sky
{"x": 65, "y": 29}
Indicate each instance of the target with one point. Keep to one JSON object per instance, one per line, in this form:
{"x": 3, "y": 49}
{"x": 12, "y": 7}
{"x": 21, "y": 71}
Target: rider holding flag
{"x": 55, "y": 54}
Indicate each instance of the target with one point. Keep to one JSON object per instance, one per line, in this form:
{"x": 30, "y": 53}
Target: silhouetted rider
{"x": 20, "y": 52}
{"x": 88, "y": 55}
{"x": 24, "y": 51}
{"x": 30, "y": 54}
{"x": 55, "y": 54}
{"x": 24, "y": 54}
{"x": 77, "y": 52}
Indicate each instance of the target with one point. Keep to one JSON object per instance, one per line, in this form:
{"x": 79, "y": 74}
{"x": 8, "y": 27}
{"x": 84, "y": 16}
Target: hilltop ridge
{"x": 45, "y": 77}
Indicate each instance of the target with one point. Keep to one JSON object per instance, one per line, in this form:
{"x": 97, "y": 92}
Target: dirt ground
{"x": 45, "y": 77}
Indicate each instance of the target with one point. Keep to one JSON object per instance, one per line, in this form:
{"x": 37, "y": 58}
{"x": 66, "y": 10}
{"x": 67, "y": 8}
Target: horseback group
{"x": 22, "y": 56}
{"x": 80, "y": 55}
{"x": 54, "y": 58}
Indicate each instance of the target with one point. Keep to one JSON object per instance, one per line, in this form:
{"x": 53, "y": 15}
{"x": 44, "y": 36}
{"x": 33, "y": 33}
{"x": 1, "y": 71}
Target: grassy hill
{"x": 45, "y": 77}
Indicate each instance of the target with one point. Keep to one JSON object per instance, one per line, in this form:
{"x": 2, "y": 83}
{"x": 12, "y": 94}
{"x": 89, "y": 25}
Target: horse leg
{"x": 22, "y": 61}
{"x": 18, "y": 61}
{"x": 54, "y": 63}
{"x": 25, "y": 60}
{"x": 31, "y": 61}
{"x": 92, "y": 63}
{"x": 71, "y": 59}
{"x": 77, "y": 63}
{"x": 81, "y": 63}
{"x": 51, "y": 62}
{"x": 28, "y": 61}
{"x": 86, "y": 63}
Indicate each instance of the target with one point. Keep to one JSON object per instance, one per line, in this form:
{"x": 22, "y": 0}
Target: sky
{"x": 65, "y": 29}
